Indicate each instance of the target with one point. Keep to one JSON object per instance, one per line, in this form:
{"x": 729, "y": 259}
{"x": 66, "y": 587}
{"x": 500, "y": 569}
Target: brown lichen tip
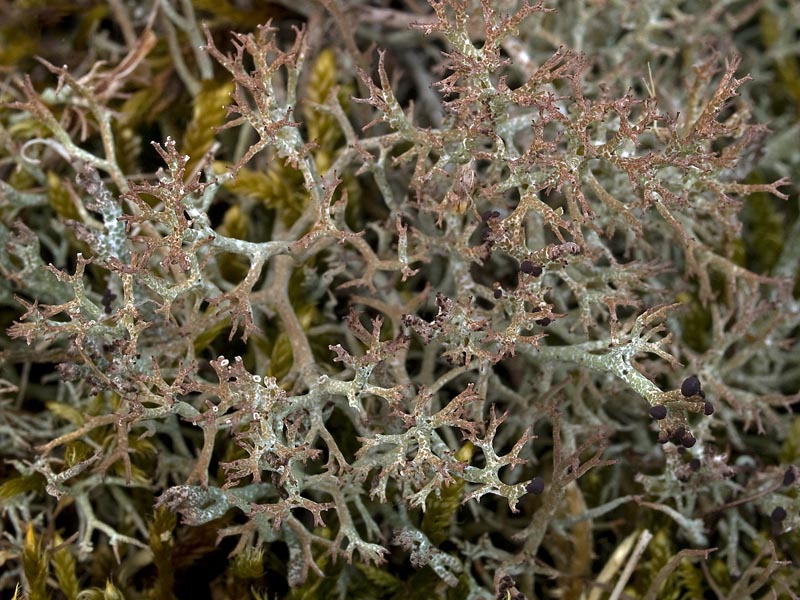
{"x": 690, "y": 386}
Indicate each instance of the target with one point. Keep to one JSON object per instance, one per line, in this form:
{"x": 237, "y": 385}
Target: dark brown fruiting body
{"x": 658, "y": 412}
{"x": 677, "y": 435}
{"x": 690, "y": 386}
{"x": 789, "y": 477}
{"x": 529, "y": 268}
{"x": 536, "y": 486}
{"x": 778, "y": 515}
{"x": 506, "y": 583}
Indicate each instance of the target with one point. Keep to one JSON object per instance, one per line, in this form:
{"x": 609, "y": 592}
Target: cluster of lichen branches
{"x": 405, "y": 320}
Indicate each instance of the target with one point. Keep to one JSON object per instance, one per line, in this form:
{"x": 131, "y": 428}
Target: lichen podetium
{"x": 473, "y": 299}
